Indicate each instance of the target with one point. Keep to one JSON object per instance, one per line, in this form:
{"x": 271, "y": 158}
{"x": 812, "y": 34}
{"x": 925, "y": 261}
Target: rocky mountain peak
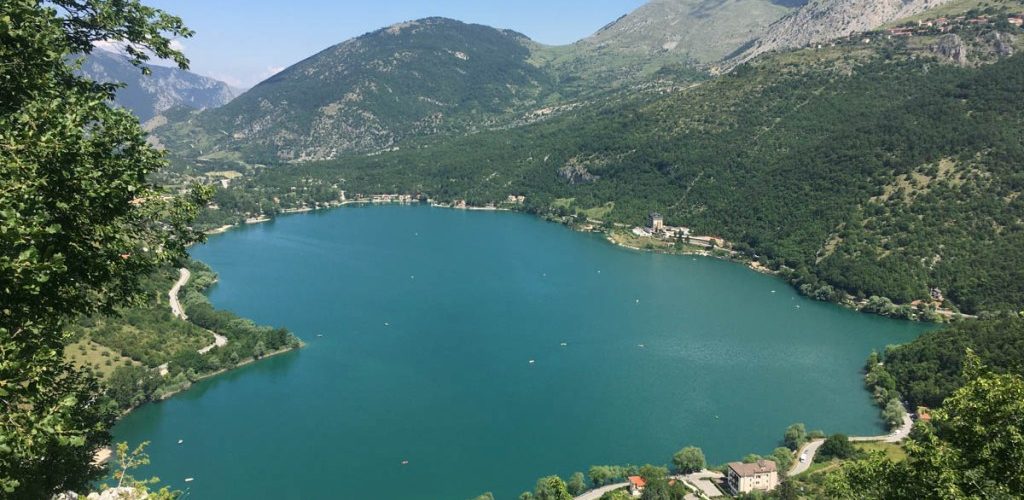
{"x": 823, "y": 20}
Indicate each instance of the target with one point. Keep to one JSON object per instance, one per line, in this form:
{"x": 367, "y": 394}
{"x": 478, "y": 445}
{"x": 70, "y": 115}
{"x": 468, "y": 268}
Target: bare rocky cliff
{"x": 824, "y": 20}
{"x": 698, "y": 30}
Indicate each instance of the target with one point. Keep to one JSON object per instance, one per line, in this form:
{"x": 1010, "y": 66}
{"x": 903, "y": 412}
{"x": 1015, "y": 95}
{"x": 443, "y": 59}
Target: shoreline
{"x": 106, "y": 453}
{"x": 850, "y": 302}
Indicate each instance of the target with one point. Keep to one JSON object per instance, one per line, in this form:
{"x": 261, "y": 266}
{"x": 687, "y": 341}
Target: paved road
{"x": 901, "y": 432}
{"x": 596, "y": 493}
{"x": 218, "y": 341}
{"x": 176, "y": 308}
{"x": 811, "y": 448}
{"x": 179, "y": 312}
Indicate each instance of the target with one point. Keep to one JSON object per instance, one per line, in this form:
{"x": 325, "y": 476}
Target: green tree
{"x": 486, "y": 496}
{"x": 551, "y": 488}
{"x": 602, "y": 474}
{"x": 79, "y": 225}
{"x": 128, "y": 461}
{"x": 795, "y": 437}
{"x": 689, "y": 459}
{"x": 835, "y": 446}
{"x": 973, "y": 449}
{"x": 751, "y": 458}
{"x": 620, "y": 494}
{"x": 652, "y": 472}
{"x": 783, "y": 457}
{"x": 893, "y": 413}
{"x": 131, "y": 386}
{"x": 577, "y": 484}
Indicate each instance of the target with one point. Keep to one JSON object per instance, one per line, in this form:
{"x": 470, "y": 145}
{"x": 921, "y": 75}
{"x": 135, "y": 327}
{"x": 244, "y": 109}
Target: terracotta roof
{"x": 923, "y": 413}
{"x": 745, "y": 470}
{"x": 637, "y": 481}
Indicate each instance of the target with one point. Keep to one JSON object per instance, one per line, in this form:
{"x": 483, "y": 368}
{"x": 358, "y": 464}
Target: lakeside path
{"x": 811, "y": 448}
{"x": 179, "y": 312}
{"x": 176, "y": 309}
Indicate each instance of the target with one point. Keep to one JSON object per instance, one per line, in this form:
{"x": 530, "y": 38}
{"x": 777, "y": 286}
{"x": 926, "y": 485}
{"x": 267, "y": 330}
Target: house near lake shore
{"x": 636, "y": 485}
{"x": 758, "y": 476}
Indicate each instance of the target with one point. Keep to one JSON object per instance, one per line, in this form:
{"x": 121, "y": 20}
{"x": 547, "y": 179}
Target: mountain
{"x": 438, "y": 76}
{"x": 883, "y": 169}
{"x": 163, "y": 89}
{"x": 413, "y": 79}
{"x": 698, "y": 30}
{"x": 673, "y": 34}
{"x": 826, "y": 20}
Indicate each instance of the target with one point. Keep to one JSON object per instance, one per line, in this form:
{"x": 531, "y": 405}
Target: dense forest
{"x": 855, "y": 170}
{"x": 925, "y": 372}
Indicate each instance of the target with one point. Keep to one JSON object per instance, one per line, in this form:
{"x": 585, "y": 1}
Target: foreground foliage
{"x": 972, "y": 449}
{"x": 79, "y": 225}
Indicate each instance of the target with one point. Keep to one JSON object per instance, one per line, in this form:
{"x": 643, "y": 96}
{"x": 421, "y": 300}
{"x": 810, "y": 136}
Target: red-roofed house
{"x": 923, "y": 413}
{"x": 636, "y": 485}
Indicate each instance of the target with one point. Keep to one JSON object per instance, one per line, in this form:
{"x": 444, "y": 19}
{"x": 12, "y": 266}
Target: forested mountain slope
{"x": 418, "y": 78}
{"x": 149, "y": 95}
{"x": 863, "y": 169}
{"x": 438, "y": 76}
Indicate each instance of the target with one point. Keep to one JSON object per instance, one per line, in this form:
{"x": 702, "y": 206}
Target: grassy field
{"x": 85, "y": 353}
{"x": 599, "y": 213}
{"x": 894, "y": 452}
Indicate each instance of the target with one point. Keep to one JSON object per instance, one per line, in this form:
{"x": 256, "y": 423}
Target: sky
{"x": 242, "y": 42}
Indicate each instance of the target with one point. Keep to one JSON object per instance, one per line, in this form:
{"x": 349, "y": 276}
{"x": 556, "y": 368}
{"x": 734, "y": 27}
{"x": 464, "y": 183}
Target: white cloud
{"x": 177, "y": 45}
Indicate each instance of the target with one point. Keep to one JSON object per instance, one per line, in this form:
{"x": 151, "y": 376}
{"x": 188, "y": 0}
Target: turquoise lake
{"x": 429, "y": 319}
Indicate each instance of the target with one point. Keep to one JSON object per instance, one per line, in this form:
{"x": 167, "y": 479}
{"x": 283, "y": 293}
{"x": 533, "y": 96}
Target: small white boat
{"x": 532, "y": 361}
{"x": 181, "y": 441}
{"x": 405, "y": 462}
{"x": 387, "y": 324}
{"x": 564, "y": 344}
{"x": 640, "y": 346}
{"x": 189, "y": 479}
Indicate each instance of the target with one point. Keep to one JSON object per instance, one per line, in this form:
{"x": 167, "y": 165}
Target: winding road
{"x": 179, "y": 312}
{"x": 811, "y": 447}
{"x": 176, "y": 308}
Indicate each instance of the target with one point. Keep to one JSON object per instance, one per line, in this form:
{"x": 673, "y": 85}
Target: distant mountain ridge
{"x": 417, "y": 78}
{"x": 165, "y": 88}
{"x": 438, "y": 76}
{"x": 434, "y": 76}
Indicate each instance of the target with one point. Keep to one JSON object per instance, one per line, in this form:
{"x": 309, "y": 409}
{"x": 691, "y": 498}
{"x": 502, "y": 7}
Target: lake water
{"x": 430, "y": 318}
